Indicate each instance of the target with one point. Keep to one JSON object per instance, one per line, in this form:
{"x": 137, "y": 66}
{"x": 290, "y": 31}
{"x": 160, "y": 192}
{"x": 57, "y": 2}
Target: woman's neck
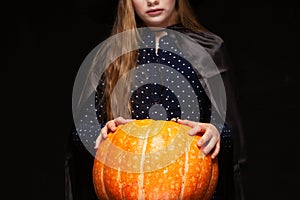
{"x": 158, "y": 35}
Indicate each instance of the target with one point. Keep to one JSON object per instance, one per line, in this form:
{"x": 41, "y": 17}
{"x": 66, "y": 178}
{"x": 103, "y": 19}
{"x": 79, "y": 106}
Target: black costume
{"x": 151, "y": 97}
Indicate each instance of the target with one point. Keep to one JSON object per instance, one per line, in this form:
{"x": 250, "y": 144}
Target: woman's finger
{"x": 197, "y": 129}
{"x": 104, "y": 131}
{"x": 206, "y": 137}
{"x": 120, "y": 121}
{"x": 189, "y": 123}
{"x": 111, "y": 126}
{"x": 216, "y": 151}
{"x": 208, "y": 146}
{"x": 212, "y": 143}
{"x": 98, "y": 140}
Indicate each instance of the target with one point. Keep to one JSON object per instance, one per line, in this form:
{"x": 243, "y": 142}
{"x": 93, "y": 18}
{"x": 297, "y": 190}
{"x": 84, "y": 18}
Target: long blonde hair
{"x": 127, "y": 20}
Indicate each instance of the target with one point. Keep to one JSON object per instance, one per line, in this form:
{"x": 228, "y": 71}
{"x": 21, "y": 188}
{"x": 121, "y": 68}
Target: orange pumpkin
{"x": 153, "y": 159}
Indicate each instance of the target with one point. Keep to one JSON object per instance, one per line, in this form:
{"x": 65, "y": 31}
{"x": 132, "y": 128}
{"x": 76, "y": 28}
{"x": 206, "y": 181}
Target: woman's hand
{"x": 110, "y": 126}
{"x": 210, "y": 136}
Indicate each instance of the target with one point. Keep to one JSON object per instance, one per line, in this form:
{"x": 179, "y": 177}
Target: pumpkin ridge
{"x": 186, "y": 168}
{"x": 213, "y": 180}
{"x": 141, "y": 193}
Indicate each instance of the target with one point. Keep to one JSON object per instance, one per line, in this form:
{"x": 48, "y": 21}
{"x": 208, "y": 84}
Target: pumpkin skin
{"x": 153, "y": 160}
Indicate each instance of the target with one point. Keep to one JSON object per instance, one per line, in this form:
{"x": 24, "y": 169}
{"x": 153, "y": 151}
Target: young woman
{"x": 222, "y": 140}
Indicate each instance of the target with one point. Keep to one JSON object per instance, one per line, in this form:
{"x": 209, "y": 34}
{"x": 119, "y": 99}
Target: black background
{"x": 45, "y": 43}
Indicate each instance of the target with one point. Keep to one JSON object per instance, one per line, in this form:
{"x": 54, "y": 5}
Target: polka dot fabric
{"x": 161, "y": 68}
